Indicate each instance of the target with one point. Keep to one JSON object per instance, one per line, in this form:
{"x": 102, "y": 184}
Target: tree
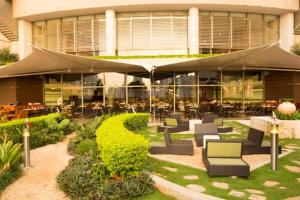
{"x": 296, "y": 49}
{"x": 7, "y": 57}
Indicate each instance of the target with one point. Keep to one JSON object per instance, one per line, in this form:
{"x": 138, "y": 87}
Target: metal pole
{"x": 26, "y": 136}
{"x": 274, "y": 147}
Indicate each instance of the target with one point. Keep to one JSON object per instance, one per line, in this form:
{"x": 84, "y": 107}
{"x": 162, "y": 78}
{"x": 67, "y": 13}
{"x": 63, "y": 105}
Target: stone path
{"x": 38, "y": 182}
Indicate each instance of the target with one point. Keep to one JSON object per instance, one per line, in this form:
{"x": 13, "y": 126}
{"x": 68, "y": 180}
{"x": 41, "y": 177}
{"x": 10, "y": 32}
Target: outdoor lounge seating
{"x": 224, "y": 158}
{"x": 177, "y": 147}
{"x": 175, "y": 124}
{"x": 221, "y": 128}
{"x": 204, "y": 129}
{"x": 254, "y": 143}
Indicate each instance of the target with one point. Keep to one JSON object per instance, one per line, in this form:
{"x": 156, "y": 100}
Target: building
{"x": 154, "y": 28}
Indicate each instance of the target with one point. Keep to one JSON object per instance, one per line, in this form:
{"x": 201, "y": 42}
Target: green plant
{"x": 7, "y": 57}
{"x": 123, "y": 152}
{"x": 294, "y": 116}
{"x": 9, "y": 176}
{"x": 296, "y": 49}
{"x": 86, "y": 178}
{"x": 87, "y": 146}
{"x": 9, "y": 155}
{"x": 43, "y": 130}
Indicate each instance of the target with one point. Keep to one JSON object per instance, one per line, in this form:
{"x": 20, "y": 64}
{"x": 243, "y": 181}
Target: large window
{"x": 156, "y": 30}
{"x": 224, "y": 32}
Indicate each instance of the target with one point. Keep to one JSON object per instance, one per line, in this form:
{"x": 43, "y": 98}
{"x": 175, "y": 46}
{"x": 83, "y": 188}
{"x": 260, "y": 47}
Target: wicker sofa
{"x": 176, "y": 147}
{"x": 204, "y": 129}
{"x": 224, "y": 158}
{"x": 174, "y": 125}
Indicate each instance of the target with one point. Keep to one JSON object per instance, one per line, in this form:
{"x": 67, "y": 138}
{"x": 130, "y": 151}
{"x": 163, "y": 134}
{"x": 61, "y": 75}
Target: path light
{"x": 274, "y": 145}
{"x": 26, "y": 136}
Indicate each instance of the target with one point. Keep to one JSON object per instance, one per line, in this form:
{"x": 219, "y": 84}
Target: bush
{"x": 86, "y": 178}
{"x": 294, "y": 116}
{"x": 9, "y": 176}
{"x": 85, "y": 132}
{"x": 296, "y": 49}
{"x": 87, "y": 146}
{"x": 123, "y": 152}
{"x": 7, "y": 57}
{"x": 43, "y": 130}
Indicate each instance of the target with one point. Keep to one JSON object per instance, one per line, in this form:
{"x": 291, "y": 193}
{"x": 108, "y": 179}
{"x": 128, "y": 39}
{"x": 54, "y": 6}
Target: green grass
{"x": 156, "y": 195}
{"x": 255, "y": 181}
{"x": 156, "y": 56}
{"x": 154, "y": 136}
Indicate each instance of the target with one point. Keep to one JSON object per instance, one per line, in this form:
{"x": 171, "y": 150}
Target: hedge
{"x": 44, "y": 130}
{"x": 123, "y": 152}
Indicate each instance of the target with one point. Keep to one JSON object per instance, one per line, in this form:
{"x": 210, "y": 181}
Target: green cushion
{"x": 224, "y": 149}
{"x": 226, "y": 161}
{"x": 158, "y": 144}
{"x": 171, "y": 122}
{"x": 218, "y": 121}
{"x": 266, "y": 144}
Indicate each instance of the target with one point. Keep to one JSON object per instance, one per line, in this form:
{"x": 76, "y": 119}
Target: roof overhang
{"x": 44, "y": 61}
{"x": 267, "y": 57}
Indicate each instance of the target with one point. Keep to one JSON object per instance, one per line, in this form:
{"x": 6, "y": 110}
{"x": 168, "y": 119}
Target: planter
{"x": 287, "y": 128}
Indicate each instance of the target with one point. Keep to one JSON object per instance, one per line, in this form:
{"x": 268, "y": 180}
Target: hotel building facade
{"x": 154, "y": 28}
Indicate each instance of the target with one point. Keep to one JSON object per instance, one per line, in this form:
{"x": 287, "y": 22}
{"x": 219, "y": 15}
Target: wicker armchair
{"x": 204, "y": 129}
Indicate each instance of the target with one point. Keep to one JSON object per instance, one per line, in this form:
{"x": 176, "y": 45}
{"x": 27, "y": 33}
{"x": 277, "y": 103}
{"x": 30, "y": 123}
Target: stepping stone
{"x": 296, "y": 162}
{"x": 195, "y": 187}
{"x": 282, "y": 188}
{"x": 292, "y": 147}
{"x": 271, "y": 183}
{"x": 221, "y": 185}
{"x": 191, "y": 177}
{"x": 171, "y": 169}
{"x": 253, "y": 191}
{"x": 256, "y": 197}
{"x": 236, "y": 193}
{"x": 234, "y": 177}
{"x": 293, "y": 198}
{"x": 292, "y": 168}
{"x": 298, "y": 179}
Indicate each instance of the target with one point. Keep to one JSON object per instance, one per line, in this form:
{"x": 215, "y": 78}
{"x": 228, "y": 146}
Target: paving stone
{"x": 298, "y": 179}
{"x": 296, "y": 162}
{"x": 293, "y": 198}
{"x": 234, "y": 177}
{"x": 292, "y": 147}
{"x": 253, "y": 191}
{"x": 282, "y": 188}
{"x": 256, "y": 197}
{"x": 171, "y": 169}
{"x": 198, "y": 188}
{"x": 271, "y": 183}
{"x": 236, "y": 193}
{"x": 292, "y": 168}
{"x": 191, "y": 177}
{"x": 221, "y": 185}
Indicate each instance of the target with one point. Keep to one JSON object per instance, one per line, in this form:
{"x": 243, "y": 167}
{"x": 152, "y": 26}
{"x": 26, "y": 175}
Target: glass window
{"x": 232, "y": 87}
{"x": 253, "y": 87}
{"x": 163, "y": 78}
{"x": 239, "y": 32}
{"x": 256, "y": 30}
{"x": 84, "y": 35}
{"x": 68, "y": 29}
{"x": 99, "y": 34}
{"x": 186, "y": 78}
{"x": 52, "y": 90}
{"x": 53, "y": 32}
{"x": 271, "y": 29}
{"x": 38, "y": 32}
{"x": 141, "y": 34}
{"x": 209, "y": 78}
{"x": 72, "y": 89}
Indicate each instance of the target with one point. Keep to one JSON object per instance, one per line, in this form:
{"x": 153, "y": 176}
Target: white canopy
{"x": 267, "y": 57}
{"x": 44, "y": 61}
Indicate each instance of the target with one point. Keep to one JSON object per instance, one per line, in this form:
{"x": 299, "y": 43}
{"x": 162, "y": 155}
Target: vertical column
{"x": 287, "y": 31}
{"x": 193, "y": 31}
{"x": 25, "y": 38}
{"x": 110, "y": 32}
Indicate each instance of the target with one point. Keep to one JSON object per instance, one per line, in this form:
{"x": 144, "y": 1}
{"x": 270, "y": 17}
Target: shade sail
{"x": 267, "y": 57}
{"x": 43, "y": 61}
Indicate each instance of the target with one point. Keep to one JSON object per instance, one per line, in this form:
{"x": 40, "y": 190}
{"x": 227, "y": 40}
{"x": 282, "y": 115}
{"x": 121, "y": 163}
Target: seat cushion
{"x": 158, "y": 144}
{"x": 227, "y": 161}
{"x": 171, "y": 122}
{"x": 223, "y": 149}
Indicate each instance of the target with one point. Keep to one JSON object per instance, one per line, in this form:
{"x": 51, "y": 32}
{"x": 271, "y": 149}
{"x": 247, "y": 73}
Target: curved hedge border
{"x": 123, "y": 152}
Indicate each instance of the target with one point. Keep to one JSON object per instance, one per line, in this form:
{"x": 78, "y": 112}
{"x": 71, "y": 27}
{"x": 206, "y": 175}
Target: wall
{"x": 277, "y": 85}
{"x": 29, "y": 89}
{"x": 39, "y": 9}
{"x": 8, "y": 90}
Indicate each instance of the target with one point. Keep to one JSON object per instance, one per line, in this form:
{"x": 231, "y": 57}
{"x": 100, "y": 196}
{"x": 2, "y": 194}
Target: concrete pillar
{"x": 287, "y": 31}
{"x": 193, "y": 31}
{"x": 110, "y": 32}
{"x": 25, "y": 38}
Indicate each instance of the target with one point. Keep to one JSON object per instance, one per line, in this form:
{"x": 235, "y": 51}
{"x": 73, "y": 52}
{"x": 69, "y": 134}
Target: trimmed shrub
{"x": 86, "y": 178}
{"x": 294, "y": 116}
{"x": 123, "y": 152}
{"x": 87, "y": 146}
{"x": 10, "y": 176}
{"x": 43, "y": 130}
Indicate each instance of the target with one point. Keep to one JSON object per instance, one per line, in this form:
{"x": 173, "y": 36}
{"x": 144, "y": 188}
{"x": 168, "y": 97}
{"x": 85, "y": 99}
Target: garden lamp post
{"x": 26, "y": 136}
{"x": 274, "y": 146}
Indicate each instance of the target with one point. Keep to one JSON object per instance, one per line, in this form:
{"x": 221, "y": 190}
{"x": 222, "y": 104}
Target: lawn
{"x": 156, "y": 195}
{"x": 288, "y": 185}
